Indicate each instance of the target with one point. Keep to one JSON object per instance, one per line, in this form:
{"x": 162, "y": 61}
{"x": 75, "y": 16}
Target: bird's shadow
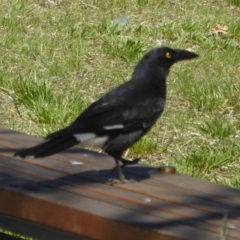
{"x": 136, "y": 172}
{"x": 78, "y": 182}
{"x": 89, "y": 177}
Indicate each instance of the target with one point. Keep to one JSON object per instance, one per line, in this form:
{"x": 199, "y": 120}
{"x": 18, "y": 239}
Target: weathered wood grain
{"x": 56, "y": 193}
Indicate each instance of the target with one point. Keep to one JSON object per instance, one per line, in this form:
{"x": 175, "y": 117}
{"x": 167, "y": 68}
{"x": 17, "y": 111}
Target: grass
{"x": 17, "y": 236}
{"x": 59, "y": 56}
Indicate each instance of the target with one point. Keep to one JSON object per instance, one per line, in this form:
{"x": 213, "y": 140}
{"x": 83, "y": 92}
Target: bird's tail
{"x": 49, "y": 147}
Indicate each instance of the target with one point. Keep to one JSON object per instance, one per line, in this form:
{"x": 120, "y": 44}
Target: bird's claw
{"x": 113, "y": 181}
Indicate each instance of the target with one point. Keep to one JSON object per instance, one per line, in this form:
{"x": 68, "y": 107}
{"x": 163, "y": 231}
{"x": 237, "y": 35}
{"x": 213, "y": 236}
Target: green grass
{"x": 59, "y": 56}
{"x": 234, "y": 2}
{"x": 17, "y": 236}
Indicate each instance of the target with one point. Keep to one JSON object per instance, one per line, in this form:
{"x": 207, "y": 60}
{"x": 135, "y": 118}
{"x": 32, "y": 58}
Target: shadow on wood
{"x": 69, "y": 192}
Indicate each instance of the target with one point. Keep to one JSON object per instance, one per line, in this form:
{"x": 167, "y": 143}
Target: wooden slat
{"x": 31, "y": 186}
{"x": 27, "y": 228}
{"x": 100, "y": 192}
{"x": 184, "y": 211}
{"x": 157, "y": 206}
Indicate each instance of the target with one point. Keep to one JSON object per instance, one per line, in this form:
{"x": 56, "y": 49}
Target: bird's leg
{"x": 119, "y": 170}
{"x": 122, "y": 178}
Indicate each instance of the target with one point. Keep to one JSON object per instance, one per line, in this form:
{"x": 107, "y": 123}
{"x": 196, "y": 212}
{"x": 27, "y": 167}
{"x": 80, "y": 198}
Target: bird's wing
{"x": 107, "y": 116}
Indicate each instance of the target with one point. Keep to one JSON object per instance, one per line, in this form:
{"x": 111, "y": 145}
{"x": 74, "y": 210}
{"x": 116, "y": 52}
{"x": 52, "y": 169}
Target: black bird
{"x": 123, "y": 115}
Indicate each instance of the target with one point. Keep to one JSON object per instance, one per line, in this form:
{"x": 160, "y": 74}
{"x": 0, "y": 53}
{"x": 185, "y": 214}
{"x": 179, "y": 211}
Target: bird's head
{"x": 160, "y": 59}
{"x": 166, "y": 57}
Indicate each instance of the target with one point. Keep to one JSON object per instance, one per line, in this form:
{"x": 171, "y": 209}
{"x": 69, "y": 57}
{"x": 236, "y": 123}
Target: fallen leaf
{"x": 219, "y": 30}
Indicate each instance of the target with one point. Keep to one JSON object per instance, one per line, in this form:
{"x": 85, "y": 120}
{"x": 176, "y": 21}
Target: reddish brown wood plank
{"x": 60, "y": 201}
{"x": 117, "y": 197}
{"x": 183, "y": 191}
{"x": 168, "y": 208}
{"x": 68, "y": 169}
{"x": 184, "y": 211}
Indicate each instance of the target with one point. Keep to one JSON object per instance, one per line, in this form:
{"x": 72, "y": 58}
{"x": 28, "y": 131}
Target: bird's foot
{"x": 113, "y": 181}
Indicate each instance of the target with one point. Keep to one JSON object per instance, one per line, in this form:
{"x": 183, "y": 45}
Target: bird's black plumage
{"x": 123, "y": 115}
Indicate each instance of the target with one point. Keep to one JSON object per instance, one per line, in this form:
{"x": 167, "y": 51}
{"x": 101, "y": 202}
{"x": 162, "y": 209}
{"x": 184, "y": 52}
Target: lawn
{"x": 58, "y": 56}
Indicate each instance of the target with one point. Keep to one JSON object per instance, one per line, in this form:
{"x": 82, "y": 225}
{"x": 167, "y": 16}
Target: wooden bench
{"x": 67, "y": 197}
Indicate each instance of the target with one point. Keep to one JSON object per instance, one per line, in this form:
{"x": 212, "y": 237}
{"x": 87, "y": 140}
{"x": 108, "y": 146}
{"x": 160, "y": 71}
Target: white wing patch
{"x": 90, "y": 140}
{"x": 118, "y": 126}
{"x": 81, "y": 137}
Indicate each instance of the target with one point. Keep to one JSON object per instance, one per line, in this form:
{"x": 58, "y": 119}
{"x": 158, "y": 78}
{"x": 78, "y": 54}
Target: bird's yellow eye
{"x": 168, "y": 55}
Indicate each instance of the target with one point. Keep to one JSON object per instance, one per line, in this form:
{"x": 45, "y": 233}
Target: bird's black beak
{"x": 184, "y": 55}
